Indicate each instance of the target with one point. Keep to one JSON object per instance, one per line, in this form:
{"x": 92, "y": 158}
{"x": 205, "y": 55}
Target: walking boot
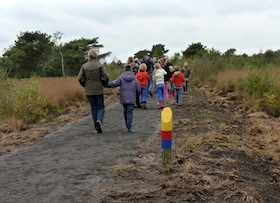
{"x": 161, "y": 105}
{"x": 144, "y": 105}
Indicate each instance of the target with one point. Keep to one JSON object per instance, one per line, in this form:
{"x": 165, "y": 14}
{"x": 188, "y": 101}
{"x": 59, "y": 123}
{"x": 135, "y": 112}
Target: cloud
{"x": 125, "y": 27}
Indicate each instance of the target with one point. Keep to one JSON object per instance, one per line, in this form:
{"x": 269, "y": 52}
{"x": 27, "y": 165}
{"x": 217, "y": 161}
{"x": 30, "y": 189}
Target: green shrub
{"x": 270, "y": 103}
{"x": 31, "y": 106}
{"x": 7, "y": 96}
{"x": 258, "y": 82}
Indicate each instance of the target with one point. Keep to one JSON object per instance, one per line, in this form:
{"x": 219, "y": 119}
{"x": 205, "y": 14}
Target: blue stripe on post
{"x": 166, "y": 144}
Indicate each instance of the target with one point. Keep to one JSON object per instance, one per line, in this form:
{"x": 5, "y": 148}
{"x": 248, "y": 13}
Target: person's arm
{"x": 183, "y": 77}
{"x": 81, "y": 77}
{"x": 114, "y": 83}
{"x": 104, "y": 73}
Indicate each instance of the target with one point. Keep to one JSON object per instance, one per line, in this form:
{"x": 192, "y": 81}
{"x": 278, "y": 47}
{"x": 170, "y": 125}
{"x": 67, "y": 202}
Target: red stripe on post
{"x": 166, "y": 135}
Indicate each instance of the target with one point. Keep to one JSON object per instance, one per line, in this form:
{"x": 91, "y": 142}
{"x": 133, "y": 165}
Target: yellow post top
{"x": 166, "y": 119}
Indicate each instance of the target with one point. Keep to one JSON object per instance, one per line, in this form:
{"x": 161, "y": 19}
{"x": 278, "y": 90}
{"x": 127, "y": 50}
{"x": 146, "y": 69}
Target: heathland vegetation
{"x": 38, "y": 75}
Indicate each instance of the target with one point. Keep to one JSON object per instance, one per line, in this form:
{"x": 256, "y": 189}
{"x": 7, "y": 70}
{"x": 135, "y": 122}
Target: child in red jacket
{"x": 143, "y": 78}
{"x": 179, "y": 80}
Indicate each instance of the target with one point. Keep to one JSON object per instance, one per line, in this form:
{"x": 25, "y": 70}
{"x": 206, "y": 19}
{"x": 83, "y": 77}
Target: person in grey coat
{"x": 90, "y": 76}
{"x": 129, "y": 88}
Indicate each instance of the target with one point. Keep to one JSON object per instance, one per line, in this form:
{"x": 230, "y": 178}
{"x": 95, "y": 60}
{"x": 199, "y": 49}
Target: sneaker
{"x": 99, "y": 126}
{"x": 130, "y": 131}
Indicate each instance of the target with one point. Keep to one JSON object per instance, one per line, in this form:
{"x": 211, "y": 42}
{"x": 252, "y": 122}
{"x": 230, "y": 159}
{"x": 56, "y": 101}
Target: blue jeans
{"x": 171, "y": 87}
{"x": 97, "y": 107}
{"x": 179, "y": 97}
{"x": 151, "y": 83}
{"x": 144, "y": 92}
{"x": 160, "y": 91}
{"x": 186, "y": 86}
{"x": 128, "y": 115}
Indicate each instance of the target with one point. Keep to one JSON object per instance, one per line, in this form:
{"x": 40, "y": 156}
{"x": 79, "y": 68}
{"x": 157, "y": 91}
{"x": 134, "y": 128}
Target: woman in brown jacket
{"x": 90, "y": 76}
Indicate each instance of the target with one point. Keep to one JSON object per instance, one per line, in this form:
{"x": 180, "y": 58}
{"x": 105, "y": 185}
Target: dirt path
{"x": 221, "y": 153}
{"x": 69, "y": 164}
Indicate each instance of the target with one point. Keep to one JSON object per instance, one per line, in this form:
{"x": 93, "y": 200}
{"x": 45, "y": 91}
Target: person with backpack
{"x": 148, "y": 60}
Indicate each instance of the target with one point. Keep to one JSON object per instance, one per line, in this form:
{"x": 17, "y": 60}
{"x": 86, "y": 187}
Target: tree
{"x": 230, "y": 52}
{"x": 29, "y": 54}
{"x": 11, "y": 60}
{"x": 158, "y": 51}
{"x": 213, "y": 53}
{"x": 56, "y": 38}
{"x": 268, "y": 56}
{"x": 75, "y": 53}
{"x": 195, "y": 49}
{"x": 176, "y": 58}
{"x": 140, "y": 54}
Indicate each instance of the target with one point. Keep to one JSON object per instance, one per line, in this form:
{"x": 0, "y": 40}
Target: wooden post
{"x": 166, "y": 137}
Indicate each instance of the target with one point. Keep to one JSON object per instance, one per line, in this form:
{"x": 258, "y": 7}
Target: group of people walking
{"x": 141, "y": 78}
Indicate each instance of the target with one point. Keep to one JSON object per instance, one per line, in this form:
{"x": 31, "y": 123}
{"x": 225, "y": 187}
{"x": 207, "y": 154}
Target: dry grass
{"x": 11, "y": 125}
{"x": 215, "y": 139}
{"x": 264, "y": 136}
{"x": 275, "y": 74}
{"x": 61, "y": 91}
{"x": 228, "y": 75}
{"x": 124, "y": 170}
{"x": 228, "y": 78}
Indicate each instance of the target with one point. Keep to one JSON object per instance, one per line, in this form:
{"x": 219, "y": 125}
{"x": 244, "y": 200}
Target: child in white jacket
{"x": 158, "y": 77}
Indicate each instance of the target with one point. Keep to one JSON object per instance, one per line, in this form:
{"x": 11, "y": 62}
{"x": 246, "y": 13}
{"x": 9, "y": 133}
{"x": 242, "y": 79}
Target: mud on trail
{"x": 221, "y": 153}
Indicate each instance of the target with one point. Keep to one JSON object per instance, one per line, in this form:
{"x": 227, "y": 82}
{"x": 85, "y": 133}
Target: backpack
{"x": 149, "y": 63}
{"x": 135, "y": 67}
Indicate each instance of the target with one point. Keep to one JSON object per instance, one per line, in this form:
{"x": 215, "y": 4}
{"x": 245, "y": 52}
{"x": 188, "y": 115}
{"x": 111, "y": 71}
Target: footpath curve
{"x": 70, "y": 164}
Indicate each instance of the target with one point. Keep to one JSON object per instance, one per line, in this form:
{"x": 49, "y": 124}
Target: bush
{"x": 30, "y": 104}
{"x": 258, "y": 82}
{"x": 7, "y": 96}
{"x": 270, "y": 103}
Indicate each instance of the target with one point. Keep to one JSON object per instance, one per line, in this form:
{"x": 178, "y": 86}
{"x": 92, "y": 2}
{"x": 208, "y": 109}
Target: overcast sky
{"x": 127, "y": 26}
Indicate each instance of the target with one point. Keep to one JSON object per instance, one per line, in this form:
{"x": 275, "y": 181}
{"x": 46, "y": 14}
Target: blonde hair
{"x": 143, "y": 67}
{"x": 157, "y": 66}
{"x": 93, "y": 54}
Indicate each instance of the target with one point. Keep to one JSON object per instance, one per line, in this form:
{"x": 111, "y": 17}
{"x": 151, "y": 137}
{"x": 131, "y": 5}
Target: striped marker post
{"x": 166, "y": 137}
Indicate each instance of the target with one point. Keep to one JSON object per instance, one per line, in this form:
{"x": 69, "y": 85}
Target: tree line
{"x": 44, "y": 55}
